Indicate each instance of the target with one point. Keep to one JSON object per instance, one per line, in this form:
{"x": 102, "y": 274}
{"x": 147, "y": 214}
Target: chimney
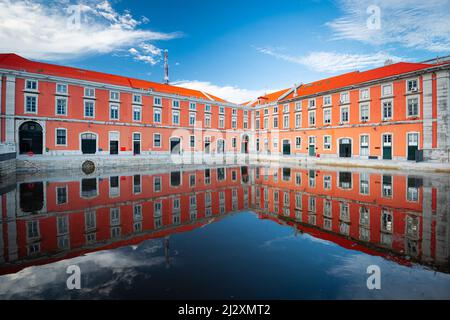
{"x": 295, "y": 90}
{"x": 166, "y": 67}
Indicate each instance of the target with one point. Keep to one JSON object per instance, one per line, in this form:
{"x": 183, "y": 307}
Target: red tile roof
{"x": 356, "y": 77}
{"x": 268, "y": 98}
{"x": 16, "y": 62}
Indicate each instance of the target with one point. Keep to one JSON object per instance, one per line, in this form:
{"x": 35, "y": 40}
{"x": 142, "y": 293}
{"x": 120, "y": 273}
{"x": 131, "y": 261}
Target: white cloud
{"x": 414, "y": 24}
{"x": 333, "y": 62}
{"x": 57, "y": 30}
{"x": 147, "y": 53}
{"x": 229, "y": 93}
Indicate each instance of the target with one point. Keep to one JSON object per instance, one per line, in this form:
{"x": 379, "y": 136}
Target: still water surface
{"x": 226, "y": 232}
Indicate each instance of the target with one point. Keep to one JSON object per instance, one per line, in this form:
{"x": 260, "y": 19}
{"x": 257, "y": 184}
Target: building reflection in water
{"x": 403, "y": 218}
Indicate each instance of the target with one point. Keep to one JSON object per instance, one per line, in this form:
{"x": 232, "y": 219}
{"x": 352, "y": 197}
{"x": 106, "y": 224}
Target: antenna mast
{"x": 166, "y": 66}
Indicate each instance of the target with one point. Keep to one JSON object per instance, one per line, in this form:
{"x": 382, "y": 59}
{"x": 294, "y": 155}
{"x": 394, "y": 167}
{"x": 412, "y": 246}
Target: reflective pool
{"x": 226, "y": 232}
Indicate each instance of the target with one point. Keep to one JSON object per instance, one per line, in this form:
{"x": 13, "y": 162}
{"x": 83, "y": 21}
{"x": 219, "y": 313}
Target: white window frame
{"x": 384, "y": 86}
{"x": 418, "y": 106}
{"x": 192, "y": 114}
{"x": 62, "y": 85}
{"x": 327, "y": 145}
{"x": 31, "y": 95}
{"x": 56, "y": 105}
{"x": 391, "y": 101}
{"x": 157, "y": 101}
{"x": 344, "y": 100}
{"x": 309, "y": 118}
{"x": 324, "y": 118}
{"x": 176, "y": 104}
{"x": 361, "y": 105}
{"x": 139, "y": 101}
{"x": 348, "y": 114}
{"x": 177, "y": 113}
{"x": 361, "y": 91}
{"x": 93, "y": 109}
{"x": 140, "y": 113}
{"x": 56, "y": 137}
{"x": 31, "y": 81}
{"x": 88, "y": 89}
{"x": 157, "y": 111}
{"x": 111, "y": 106}
{"x": 407, "y": 85}
{"x": 298, "y": 146}
{"x": 368, "y": 144}
{"x": 112, "y": 93}
{"x": 160, "y": 140}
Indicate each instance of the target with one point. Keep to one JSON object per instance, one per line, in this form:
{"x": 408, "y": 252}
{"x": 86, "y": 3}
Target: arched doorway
{"x": 244, "y": 144}
{"x": 31, "y": 197}
{"x": 88, "y": 143}
{"x": 30, "y": 138}
{"x": 175, "y": 145}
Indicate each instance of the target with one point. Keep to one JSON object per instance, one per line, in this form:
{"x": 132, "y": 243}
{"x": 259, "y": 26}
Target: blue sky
{"x": 235, "y": 49}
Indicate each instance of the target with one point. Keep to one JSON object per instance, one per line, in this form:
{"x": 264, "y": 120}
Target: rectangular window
{"x": 298, "y": 120}
{"x": 298, "y": 106}
{"x": 136, "y": 113}
{"x": 386, "y": 90}
{"x": 298, "y": 142}
{"x": 413, "y": 107}
{"x": 387, "y": 110}
{"x": 344, "y": 114}
{"x": 156, "y": 184}
{"x": 245, "y": 123}
{"x": 286, "y": 108}
{"x": 234, "y": 123}
{"x": 221, "y": 110}
{"x": 327, "y": 142}
{"x": 345, "y": 97}
{"x": 192, "y": 106}
{"x": 327, "y": 182}
{"x": 31, "y": 85}
{"x": 192, "y": 141}
{"x": 364, "y": 112}
{"x": 327, "y": 116}
{"x": 137, "y": 98}
{"x": 257, "y": 124}
{"x": 156, "y": 101}
{"x": 61, "y": 88}
{"x": 266, "y": 123}
{"x": 175, "y": 117}
{"x": 286, "y": 121}
{"x": 364, "y": 183}
{"x": 275, "y": 110}
{"x": 312, "y": 118}
{"x": 311, "y": 103}
{"x": 61, "y": 137}
{"x": 364, "y": 94}
{"x": 412, "y": 85}
{"x": 191, "y": 119}
{"x": 30, "y": 104}
{"x": 61, "y": 195}
{"x": 207, "y": 108}
{"x": 275, "y": 122}
{"x": 114, "y": 96}
{"x": 157, "y": 140}
{"x": 157, "y": 115}
{"x": 175, "y": 104}
{"x": 221, "y": 122}
{"x": 89, "y": 111}
{"x": 327, "y": 100}
{"x": 233, "y": 142}
{"x": 89, "y": 92}
{"x": 207, "y": 120}
{"x": 114, "y": 112}
{"x": 234, "y": 112}
{"x": 364, "y": 145}
{"x": 61, "y": 106}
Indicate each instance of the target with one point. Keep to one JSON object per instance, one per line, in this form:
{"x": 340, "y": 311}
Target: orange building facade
{"x": 399, "y": 112}
{"x": 396, "y": 112}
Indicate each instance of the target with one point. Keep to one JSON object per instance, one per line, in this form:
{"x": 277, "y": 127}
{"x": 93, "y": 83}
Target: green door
{"x": 312, "y": 150}
{"x": 413, "y": 145}
{"x": 387, "y": 146}
{"x": 387, "y": 153}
